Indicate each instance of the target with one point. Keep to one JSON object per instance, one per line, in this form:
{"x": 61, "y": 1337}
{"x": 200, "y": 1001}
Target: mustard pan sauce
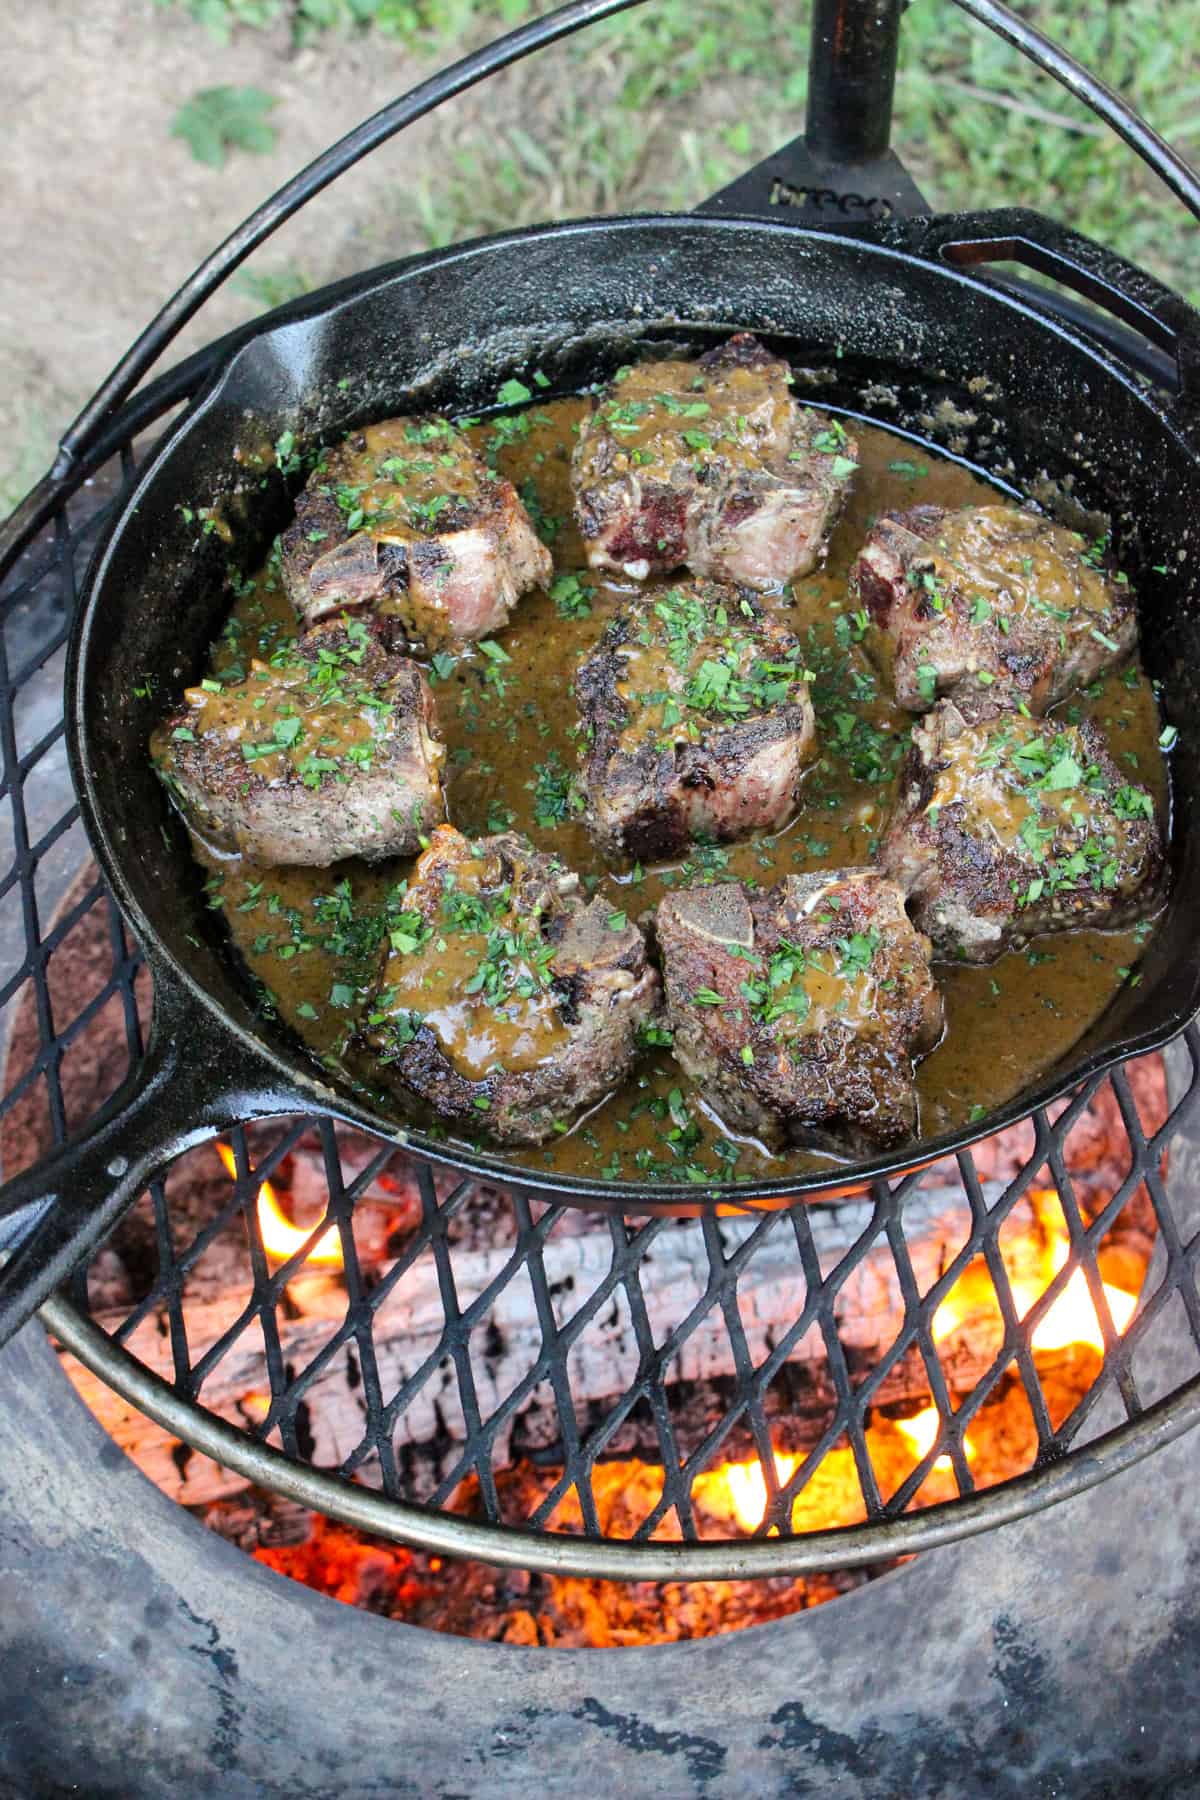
{"x": 310, "y": 937}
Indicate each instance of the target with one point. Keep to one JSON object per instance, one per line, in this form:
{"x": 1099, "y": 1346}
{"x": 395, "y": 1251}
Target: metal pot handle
{"x": 1013, "y": 234}
{"x": 194, "y": 1082}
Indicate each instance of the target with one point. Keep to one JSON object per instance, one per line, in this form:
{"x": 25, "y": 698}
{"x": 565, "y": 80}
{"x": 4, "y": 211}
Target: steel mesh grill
{"x": 502, "y": 1330}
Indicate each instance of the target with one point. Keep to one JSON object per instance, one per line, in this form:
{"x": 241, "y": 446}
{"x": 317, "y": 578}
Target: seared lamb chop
{"x": 1015, "y": 826}
{"x": 798, "y": 1010}
{"x": 329, "y": 750}
{"x": 506, "y": 1000}
{"x": 406, "y": 519}
{"x": 712, "y": 464}
{"x": 990, "y": 606}
{"x": 697, "y": 723}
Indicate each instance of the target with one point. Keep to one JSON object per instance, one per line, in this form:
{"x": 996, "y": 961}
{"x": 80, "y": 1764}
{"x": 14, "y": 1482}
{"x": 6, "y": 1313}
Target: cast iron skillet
{"x": 897, "y": 333}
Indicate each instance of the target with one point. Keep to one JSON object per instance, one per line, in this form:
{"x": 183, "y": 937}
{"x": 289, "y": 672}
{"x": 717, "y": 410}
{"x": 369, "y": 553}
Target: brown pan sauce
{"x": 310, "y": 937}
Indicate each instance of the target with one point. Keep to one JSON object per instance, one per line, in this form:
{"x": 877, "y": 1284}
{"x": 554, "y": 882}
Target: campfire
{"x": 803, "y": 1482}
{"x": 733, "y": 1497}
{"x": 785, "y": 1469}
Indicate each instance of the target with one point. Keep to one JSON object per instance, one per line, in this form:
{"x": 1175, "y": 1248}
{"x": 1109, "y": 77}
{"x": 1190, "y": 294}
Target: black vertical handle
{"x": 851, "y": 79}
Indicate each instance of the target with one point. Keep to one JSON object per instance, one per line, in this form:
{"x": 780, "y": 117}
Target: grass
{"x": 429, "y": 24}
{"x": 976, "y": 149}
{"x": 661, "y": 106}
{"x": 270, "y": 287}
{"x": 26, "y": 455}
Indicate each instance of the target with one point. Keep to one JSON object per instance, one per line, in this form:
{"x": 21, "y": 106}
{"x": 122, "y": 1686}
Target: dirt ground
{"x": 106, "y": 213}
{"x": 92, "y": 242}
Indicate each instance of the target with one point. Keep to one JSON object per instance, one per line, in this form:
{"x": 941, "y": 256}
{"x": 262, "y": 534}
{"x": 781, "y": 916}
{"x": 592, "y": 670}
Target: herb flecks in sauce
{"x": 312, "y": 714}
{"x": 405, "y": 482}
{"x": 688, "y": 665}
{"x": 1046, "y": 800}
{"x": 477, "y": 972}
{"x": 999, "y": 1033}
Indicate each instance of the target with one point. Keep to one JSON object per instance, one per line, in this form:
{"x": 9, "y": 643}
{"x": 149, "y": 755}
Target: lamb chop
{"x": 799, "y": 1010}
{"x": 406, "y": 519}
{"x": 1013, "y": 826}
{"x": 990, "y": 606}
{"x": 697, "y": 723}
{"x": 507, "y": 1001}
{"x": 712, "y": 464}
{"x": 329, "y": 750}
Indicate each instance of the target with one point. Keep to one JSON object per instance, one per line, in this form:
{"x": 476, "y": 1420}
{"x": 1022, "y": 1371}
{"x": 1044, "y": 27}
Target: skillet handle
{"x": 194, "y": 1082}
{"x": 1013, "y": 234}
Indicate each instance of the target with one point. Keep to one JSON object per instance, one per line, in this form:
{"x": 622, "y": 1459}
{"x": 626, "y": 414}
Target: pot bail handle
{"x": 193, "y": 1083}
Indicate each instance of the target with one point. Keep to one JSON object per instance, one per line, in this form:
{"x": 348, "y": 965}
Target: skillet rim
{"x": 270, "y": 1062}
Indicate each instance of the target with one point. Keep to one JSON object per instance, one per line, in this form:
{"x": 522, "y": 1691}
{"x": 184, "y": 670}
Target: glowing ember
{"x": 920, "y": 1432}
{"x": 281, "y": 1239}
{"x": 1071, "y": 1319}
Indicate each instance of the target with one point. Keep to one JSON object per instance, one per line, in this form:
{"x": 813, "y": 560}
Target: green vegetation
{"x": 997, "y": 132}
{"x": 662, "y": 105}
{"x": 25, "y": 457}
{"x": 222, "y": 17}
{"x": 269, "y": 288}
{"x": 412, "y": 22}
{"x": 220, "y": 119}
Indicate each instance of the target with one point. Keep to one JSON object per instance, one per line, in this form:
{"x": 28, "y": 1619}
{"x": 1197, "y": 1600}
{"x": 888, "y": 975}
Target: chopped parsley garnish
{"x": 1070, "y": 835}
{"x": 1132, "y": 803}
{"x": 513, "y": 393}
{"x": 572, "y": 597}
{"x": 427, "y": 512}
{"x": 683, "y": 409}
{"x": 557, "y": 794}
{"x": 512, "y": 961}
{"x": 856, "y": 953}
{"x": 287, "y": 459}
{"x": 652, "y": 1037}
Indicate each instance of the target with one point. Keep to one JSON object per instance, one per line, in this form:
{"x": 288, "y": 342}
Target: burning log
{"x": 603, "y": 1362}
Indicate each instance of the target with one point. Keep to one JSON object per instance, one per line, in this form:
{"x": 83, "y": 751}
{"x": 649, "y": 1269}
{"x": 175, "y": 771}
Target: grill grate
{"x": 579, "y": 1289}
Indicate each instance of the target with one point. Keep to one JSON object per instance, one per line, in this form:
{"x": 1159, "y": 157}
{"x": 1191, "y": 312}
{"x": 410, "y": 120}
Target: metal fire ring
{"x": 445, "y": 1534}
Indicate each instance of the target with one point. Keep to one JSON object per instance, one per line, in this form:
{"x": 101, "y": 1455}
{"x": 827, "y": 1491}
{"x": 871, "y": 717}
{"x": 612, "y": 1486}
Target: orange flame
{"x": 1071, "y": 1318}
{"x": 745, "y": 1487}
{"x": 281, "y": 1239}
{"x": 921, "y": 1430}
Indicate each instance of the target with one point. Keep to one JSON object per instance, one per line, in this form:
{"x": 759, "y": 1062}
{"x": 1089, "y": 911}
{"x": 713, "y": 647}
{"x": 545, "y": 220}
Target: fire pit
{"x": 229, "y": 1284}
{"x": 493, "y": 1417}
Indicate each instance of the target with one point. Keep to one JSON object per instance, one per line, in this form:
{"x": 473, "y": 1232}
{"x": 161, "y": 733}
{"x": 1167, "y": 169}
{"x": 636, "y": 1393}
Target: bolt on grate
{"x": 534, "y": 1332}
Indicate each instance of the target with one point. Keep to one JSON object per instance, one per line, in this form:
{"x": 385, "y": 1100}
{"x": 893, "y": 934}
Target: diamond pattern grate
{"x": 484, "y": 1355}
